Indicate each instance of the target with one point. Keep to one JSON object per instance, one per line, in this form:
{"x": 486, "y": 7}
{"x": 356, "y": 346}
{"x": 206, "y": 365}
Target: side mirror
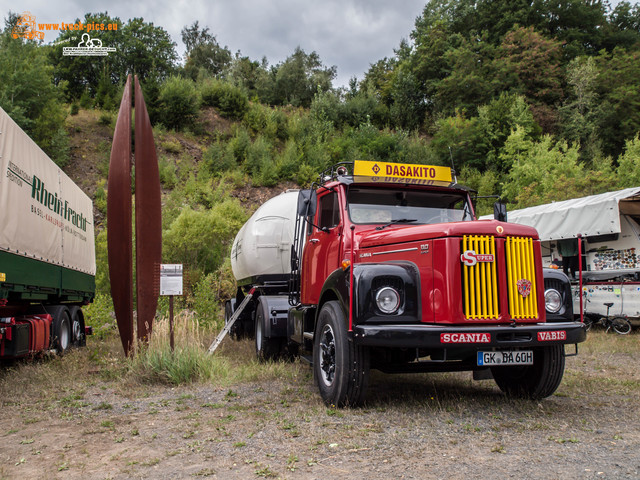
{"x": 307, "y": 202}
{"x": 500, "y": 211}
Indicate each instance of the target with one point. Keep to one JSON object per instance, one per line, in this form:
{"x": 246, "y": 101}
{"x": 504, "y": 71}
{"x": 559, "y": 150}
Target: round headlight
{"x": 552, "y": 300}
{"x": 388, "y": 300}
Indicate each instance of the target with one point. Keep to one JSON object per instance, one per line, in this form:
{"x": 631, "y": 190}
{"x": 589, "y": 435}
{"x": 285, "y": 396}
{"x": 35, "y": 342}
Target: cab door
{"x": 322, "y": 252}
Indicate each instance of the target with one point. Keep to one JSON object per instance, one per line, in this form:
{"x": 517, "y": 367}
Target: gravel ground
{"x": 419, "y": 426}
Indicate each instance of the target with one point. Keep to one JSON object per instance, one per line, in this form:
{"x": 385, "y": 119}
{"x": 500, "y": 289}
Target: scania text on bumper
{"x": 437, "y": 336}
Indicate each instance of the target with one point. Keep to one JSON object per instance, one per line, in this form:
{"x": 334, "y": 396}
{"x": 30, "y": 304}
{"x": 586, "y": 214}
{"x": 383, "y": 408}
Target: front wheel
{"x": 621, "y": 325}
{"x": 535, "y": 381}
{"x": 340, "y": 368}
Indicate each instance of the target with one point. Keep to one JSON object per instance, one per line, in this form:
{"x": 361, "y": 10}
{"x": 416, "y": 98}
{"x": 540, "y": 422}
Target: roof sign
{"x": 384, "y": 172}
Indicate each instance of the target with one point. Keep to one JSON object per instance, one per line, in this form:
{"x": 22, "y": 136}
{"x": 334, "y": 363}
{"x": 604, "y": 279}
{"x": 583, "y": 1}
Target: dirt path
{"x": 423, "y": 426}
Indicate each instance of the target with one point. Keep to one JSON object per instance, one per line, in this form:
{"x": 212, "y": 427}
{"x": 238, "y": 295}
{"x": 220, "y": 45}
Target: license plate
{"x": 520, "y": 357}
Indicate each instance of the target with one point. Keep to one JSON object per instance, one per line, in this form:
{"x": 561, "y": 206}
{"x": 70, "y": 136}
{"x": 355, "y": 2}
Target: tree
{"x": 203, "y": 52}
{"x": 299, "y": 77}
{"x": 530, "y": 64}
{"x": 472, "y": 80}
{"x": 28, "y": 95}
{"x": 629, "y": 164}
{"x": 497, "y": 120}
{"x": 619, "y": 102}
{"x": 548, "y": 170}
{"x": 178, "y": 103}
{"x": 579, "y": 112}
{"x": 141, "y": 48}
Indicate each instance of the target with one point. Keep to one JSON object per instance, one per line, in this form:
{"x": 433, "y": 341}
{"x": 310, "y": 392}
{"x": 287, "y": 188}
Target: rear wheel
{"x": 62, "y": 331}
{"x": 266, "y": 348}
{"x": 535, "y": 381}
{"x": 78, "y": 338}
{"x": 621, "y": 325}
{"x": 340, "y": 367}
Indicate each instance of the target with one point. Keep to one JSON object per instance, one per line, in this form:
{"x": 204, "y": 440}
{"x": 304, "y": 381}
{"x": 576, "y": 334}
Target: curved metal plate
{"x": 148, "y": 218}
{"x": 119, "y": 231}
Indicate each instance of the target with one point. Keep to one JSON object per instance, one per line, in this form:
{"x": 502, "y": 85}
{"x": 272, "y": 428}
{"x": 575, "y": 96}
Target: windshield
{"x": 410, "y": 207}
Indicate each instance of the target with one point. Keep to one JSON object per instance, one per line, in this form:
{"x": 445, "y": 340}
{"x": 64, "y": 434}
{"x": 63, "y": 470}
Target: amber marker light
{"x": 345, "y": 264}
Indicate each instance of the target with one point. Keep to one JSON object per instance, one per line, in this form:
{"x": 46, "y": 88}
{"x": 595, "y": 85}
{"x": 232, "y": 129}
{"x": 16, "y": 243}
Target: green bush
{"x": 239, "y": 144}
{"x": 105, "y": 118}
{"x": 100, "y": 198}
{"x": 306, "y": 175}
{"x": 200, "y": 239}
{"x": 288, "y": 162}
{"x": 167, "y": 170}
{"x": 258, "y": 156}
{"x": 99, "y": 315}
{"x": 178, "y": 103}
{"x": 86, "y": 101}
{"x": 230, "y": 100}
{"x": 75, "y": 108}
{"x": 217, "y": 158}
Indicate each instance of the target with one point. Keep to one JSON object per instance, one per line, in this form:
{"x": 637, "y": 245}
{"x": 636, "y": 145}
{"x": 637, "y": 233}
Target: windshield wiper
{"x": 399, "y": 220}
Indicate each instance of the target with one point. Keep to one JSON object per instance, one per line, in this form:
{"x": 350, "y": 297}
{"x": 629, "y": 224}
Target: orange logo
{"x": 26, "y": 28}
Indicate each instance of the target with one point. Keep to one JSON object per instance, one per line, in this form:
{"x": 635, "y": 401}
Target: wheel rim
{"x": 259, "y": 334}
{"x": 327, "y": 354}
{"x": 76, "y": 331}
{"x": 64, "y": 336}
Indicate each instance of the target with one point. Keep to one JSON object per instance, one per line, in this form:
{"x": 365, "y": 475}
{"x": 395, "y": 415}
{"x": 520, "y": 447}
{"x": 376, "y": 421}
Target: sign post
{"x": 170, "y": 285}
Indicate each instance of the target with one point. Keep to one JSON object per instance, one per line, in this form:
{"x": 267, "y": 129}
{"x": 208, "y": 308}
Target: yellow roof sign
{"x": 402, "y": 173}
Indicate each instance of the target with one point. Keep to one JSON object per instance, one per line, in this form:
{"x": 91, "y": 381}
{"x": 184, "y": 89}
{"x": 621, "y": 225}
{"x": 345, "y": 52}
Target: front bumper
{"x": 486, "y": 336}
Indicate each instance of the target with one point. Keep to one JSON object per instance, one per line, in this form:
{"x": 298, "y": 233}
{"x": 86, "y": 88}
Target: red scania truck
{"x": 47, "y": 253}
{"x": 385, "y": 266}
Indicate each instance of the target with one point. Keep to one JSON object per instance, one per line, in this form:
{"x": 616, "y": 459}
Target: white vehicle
{"x": 609, "y": 224}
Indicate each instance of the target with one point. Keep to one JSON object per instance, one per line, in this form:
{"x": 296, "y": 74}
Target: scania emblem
{"x": 524, "y": 287}
{"x": 499, "y": 229}
{"x": 470, "y": 258}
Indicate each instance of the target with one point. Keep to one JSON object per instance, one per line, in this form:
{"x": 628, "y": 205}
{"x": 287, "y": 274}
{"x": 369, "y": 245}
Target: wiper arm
{"x": 399, "y": 220}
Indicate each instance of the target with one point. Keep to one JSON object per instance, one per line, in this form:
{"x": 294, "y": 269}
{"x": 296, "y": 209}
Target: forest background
{"x": 533, "y": 101}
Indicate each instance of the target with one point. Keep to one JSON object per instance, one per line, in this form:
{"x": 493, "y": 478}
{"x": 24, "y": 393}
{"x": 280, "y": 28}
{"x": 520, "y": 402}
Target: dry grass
{"x": 103, "y": 362}
{"x": 237, "y": 418}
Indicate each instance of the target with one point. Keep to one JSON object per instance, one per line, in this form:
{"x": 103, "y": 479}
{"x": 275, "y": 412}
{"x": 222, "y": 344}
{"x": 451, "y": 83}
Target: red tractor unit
{"x": 384, "y": 266}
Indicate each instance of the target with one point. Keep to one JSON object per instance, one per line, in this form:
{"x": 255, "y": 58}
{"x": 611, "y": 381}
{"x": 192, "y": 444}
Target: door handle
{"x": 314, "y": 240}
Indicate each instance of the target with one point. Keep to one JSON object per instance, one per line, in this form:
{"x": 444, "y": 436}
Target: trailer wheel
{"x": 340, "y": 368}
{"x": 228, "y": 312}
{"x": 78, "y": 338}
{"x": 535, "y": 381}
{"x": 266, "y": 348}
{"x": 62, "y": 331}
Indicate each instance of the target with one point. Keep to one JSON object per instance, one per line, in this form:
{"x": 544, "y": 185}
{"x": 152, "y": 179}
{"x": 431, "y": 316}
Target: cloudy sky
{"x": 350, "y": 34}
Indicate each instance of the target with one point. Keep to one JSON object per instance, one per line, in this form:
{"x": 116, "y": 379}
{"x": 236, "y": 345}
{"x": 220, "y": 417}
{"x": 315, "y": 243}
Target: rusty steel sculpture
{"x": 148, "y": 220}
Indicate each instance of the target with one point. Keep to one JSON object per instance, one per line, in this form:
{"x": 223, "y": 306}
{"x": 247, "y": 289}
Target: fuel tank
{"x": 262, "y": 247}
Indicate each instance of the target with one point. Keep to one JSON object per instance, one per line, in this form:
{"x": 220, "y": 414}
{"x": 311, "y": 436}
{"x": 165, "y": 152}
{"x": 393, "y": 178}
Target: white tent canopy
{"x": 589, "y": 216}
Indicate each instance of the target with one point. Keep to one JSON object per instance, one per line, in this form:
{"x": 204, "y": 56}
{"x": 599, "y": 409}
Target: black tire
{"x": 535, "y": 381}
{"x": 340, "y": 368}
{"x": 78, "y": 338}
{"x": 228, "y": 312}
{"x": 267, "y": 349}
{"x": 62, "y": 339}
{"x": 621, "y": 325}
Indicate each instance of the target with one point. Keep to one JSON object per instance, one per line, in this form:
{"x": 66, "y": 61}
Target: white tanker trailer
{"x": 261, "y": 257}
{"x": 261, "y": 250}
